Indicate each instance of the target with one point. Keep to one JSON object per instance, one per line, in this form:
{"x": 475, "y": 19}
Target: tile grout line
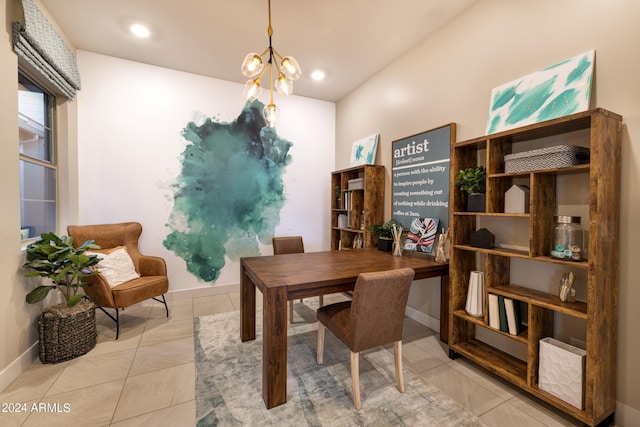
{"x": 126, "y": 378}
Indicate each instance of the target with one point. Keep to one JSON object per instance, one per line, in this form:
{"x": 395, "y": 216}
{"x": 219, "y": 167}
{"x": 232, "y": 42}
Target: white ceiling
{"x": 349, "y": 39}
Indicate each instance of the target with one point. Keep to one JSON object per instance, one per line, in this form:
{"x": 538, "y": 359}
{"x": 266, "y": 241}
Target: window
{"x": 38, "y": 170}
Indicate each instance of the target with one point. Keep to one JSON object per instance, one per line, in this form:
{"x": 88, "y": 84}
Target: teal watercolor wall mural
{"x": 556, "y": 91}
{"x": 230, "y": 191}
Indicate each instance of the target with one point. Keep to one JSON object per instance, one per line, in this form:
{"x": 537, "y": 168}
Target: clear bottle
{"x": 568, "y": 239}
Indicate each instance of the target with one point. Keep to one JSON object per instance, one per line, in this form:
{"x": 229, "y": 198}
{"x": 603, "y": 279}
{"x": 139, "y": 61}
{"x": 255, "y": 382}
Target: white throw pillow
{"x": 116, "y": 266}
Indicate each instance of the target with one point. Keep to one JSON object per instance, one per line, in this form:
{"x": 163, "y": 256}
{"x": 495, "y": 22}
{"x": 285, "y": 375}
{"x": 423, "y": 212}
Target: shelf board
{"x": 542, "y": 299}
{"x": 552, "y": 127}
{"x": 349, "y": 230}
{"x": 513, "y": 253}
{"x": 496, "y": 251}
{"x": 498, "y": 214}
{"x": 523, "y": 337}
{"x": 469, "y": 318}
{"x": 494, "y": 360}
{"x": 582, "y": 264}
{"x": 553, "y": 171}
{"x": 566, "y": 407}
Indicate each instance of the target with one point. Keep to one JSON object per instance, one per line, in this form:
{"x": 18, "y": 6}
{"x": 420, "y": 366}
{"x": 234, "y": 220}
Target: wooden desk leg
{"x": 444, "y": 308}
{"x": 274, "y": 347}
{"x": 247, "y": 307}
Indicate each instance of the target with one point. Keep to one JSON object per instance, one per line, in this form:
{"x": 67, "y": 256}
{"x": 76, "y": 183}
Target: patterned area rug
{"x": 229, "y": 383}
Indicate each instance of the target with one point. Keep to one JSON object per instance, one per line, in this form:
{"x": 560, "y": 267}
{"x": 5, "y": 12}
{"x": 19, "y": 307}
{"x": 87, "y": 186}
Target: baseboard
{"x": 202, "y": 292}
{"x": 626, "y": 415}
{"x": 423, "y": 318}
{"x": 11, "y": 372}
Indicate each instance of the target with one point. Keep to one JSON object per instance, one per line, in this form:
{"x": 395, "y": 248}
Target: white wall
{"x": 131, "y": 116}
{"x": 19, "y": 320}
{"x": 449, "y": 77}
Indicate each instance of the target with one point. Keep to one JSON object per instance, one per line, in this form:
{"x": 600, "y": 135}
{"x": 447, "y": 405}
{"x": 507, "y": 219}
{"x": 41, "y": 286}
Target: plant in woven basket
{"x": 55, "y": 258}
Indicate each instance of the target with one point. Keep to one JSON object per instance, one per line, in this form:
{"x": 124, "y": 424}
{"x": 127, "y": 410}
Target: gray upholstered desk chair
{"x": 290, "y": 245}
{"x": 374, "y": 317}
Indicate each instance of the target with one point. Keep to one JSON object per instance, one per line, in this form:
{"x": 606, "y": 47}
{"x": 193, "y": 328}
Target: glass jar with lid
{"x": 568, "y": 239}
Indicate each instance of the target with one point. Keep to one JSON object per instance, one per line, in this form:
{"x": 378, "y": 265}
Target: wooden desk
{"x": 287, "y": 277}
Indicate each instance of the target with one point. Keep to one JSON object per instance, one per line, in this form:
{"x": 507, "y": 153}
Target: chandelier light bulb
{"x": 284, "y": 85}
{"x": 271, "y": 114}
{"x": 252, "y": 65}
{"x": 290, "y": 68}
{"x": 252, "y": 89}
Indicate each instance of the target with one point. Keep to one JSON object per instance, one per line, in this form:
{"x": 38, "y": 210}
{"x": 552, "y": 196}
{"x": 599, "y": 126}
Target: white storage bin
{"x": 561, "y": 371}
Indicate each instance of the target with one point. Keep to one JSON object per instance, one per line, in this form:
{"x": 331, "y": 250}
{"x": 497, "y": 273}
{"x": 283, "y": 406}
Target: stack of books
{"x": 504, "y": 314}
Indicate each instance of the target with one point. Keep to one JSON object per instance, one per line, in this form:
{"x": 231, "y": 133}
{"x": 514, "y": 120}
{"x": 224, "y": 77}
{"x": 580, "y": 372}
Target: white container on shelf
{"x": 475, "y": 294}
{"x": 561, "y": 371}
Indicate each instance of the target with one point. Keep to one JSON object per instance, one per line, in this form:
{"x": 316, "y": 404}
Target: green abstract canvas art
{"x": 363, "y": 151}
{"x": 556, "y": 91}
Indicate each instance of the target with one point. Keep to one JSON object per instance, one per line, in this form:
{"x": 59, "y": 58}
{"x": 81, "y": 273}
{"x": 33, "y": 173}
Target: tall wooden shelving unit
{"x": 369, "y": 199}
{"x": 599, "y": 312}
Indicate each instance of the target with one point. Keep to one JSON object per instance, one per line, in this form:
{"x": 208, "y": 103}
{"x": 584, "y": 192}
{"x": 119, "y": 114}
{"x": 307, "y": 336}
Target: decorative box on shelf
{"x": 355, "y": 184}
{"x": 559, "y": 156}
{"x": 516, "y": 199}
{"x": 561, "y": 371}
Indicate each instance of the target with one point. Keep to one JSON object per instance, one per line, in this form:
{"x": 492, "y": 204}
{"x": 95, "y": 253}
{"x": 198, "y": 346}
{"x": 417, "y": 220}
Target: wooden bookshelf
{"x": 602, "y": 173}
{"x": 363, "y": 207}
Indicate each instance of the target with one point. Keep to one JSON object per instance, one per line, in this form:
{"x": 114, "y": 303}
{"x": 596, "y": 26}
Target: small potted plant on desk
{"x": 384, "y": 234}
{"x": 474, "y": 182}
{"x": 67, "y": 330}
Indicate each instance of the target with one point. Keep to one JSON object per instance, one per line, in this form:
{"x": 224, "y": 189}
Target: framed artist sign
{"x": 420, "y": 184}
{"x": 363, "y": 151}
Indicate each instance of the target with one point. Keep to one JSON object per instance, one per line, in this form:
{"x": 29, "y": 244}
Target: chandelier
{"x": 287, "y": 70}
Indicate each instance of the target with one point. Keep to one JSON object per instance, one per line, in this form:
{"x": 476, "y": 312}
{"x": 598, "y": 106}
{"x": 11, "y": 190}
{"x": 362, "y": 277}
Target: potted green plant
{"x": 338, "y": 193}
{"x": 66, "y": 330}
{"x": 56, "y": 259}
{"x": 384, "y": 234}
{"x": 474, "y": 182}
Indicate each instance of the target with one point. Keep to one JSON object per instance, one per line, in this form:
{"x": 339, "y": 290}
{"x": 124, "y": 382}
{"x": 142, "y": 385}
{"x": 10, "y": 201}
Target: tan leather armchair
{"x": 373, "y": 318}
{"x": 152, "y": 283}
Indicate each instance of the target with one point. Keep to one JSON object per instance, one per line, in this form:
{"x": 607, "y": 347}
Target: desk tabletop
{"x": 316, "y": 269}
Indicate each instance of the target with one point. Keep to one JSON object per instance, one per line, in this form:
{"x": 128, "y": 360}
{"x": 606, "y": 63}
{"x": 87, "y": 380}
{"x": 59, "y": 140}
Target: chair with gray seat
{"x": 290, "y": 245}
{"x": 374, "y": 317}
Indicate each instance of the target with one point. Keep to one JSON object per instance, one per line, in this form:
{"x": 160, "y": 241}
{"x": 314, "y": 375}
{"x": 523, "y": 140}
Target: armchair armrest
{"x": 152, "y": 266}
{"x": 99, "y": 291}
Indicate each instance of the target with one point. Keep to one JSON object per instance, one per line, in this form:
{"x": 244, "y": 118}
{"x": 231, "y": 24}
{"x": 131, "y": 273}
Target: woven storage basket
{"x": 559, "y": 156}
{"x": 67, "y": 332}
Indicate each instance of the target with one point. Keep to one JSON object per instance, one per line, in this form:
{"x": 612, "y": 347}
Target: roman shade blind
{"x": 37, "y": 43}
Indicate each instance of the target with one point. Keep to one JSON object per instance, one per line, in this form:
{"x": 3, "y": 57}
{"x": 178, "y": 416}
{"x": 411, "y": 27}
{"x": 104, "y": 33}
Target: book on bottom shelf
{"x": 503, "y": 314}
{"x": 494, "y": 317}
{"x": 512, "y": 309}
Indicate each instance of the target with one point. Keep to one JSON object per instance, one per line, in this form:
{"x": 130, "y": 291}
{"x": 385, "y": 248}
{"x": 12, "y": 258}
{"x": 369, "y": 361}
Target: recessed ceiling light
{"x": 140, "y": 30}
{"x": 318, "y": 75}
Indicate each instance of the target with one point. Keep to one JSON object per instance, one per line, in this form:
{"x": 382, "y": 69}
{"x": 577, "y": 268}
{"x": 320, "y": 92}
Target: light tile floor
{"x": 147, "y": 376}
